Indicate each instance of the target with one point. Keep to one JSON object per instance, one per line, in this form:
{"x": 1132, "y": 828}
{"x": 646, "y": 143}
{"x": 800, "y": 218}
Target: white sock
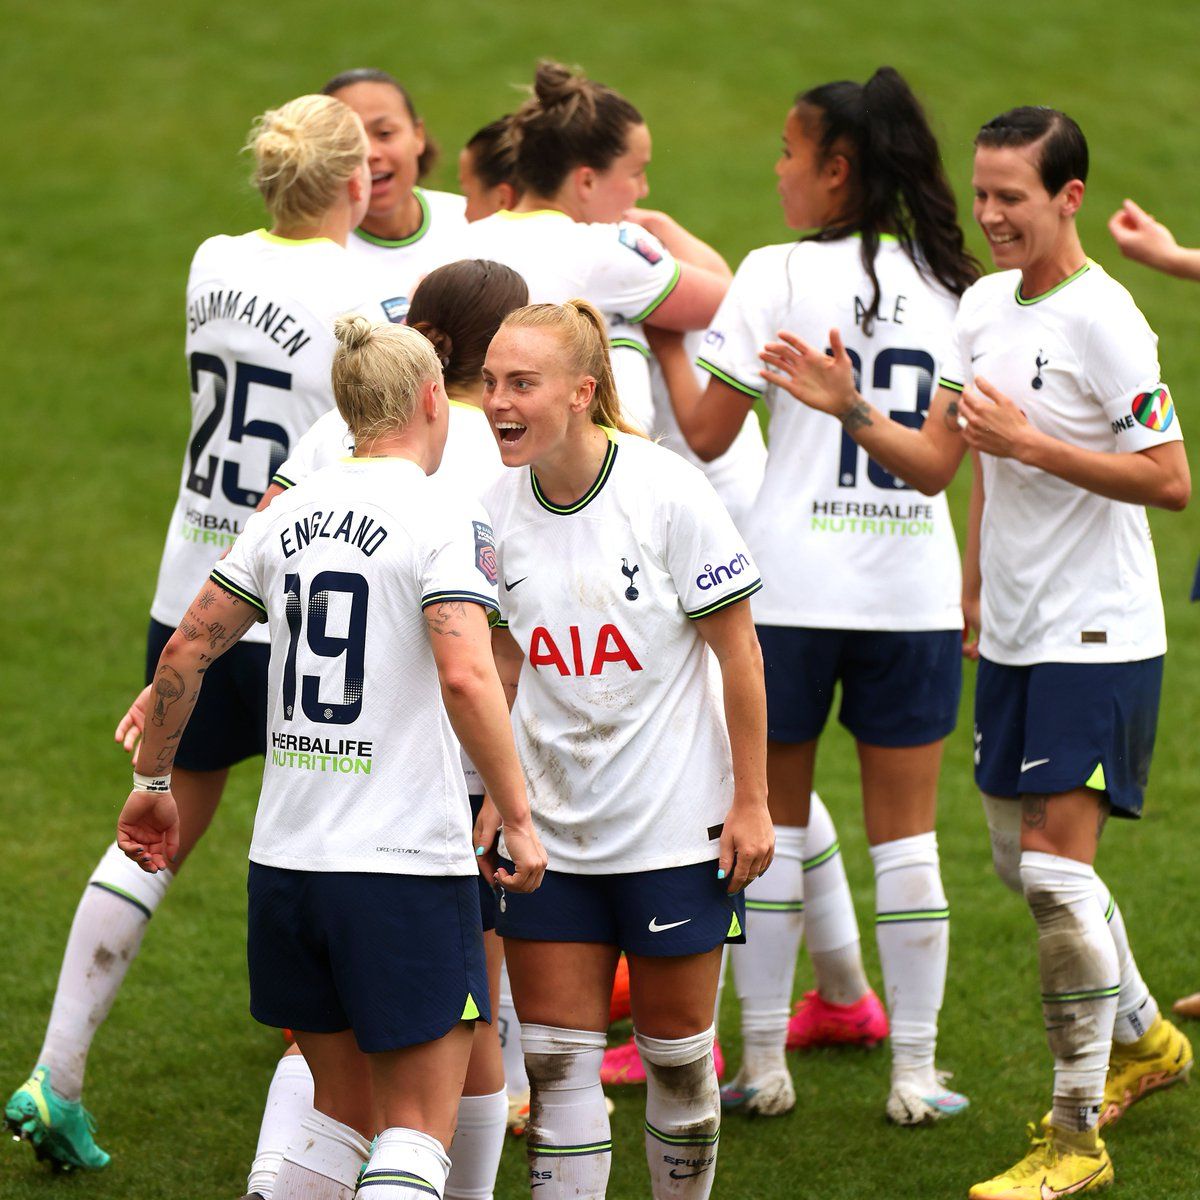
{"x": 105, "y": 935}
{"x": 405, "y": 1165}
{"x": 568, "y": 1138}
{"x": 322, "y": 1160}
{"x": 683, "y": 1114}
{"x": 1080, "y": 982}
{"x": 830, "y": 926}
{"x": 764, "y": 969}
{"x": 475, "y": 1151}
{"x": 1136, "y": 1007}
{"x": 509, "y": 1028}
{"x": 912, "y": 929}
{"x": 289, "y": 1101}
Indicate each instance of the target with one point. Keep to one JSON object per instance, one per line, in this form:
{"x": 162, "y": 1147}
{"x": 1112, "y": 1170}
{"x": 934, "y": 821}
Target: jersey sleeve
{"x": 952, "y": 374}
{"x": 744, "y": 324}
{"x": 706, "y": 556}
{"x": 460, "y": 559}
{"x": 240, "y": 572}
{"x": 634, "y": 274}
{"x": 1122, "y": 373}
{"x": 325, "y": 441}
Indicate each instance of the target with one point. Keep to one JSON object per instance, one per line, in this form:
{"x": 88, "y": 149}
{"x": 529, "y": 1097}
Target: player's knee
{"x": 558, "y": 1059}
{"x": 680, "y": 1079}
{"x": 1004, "y": 831}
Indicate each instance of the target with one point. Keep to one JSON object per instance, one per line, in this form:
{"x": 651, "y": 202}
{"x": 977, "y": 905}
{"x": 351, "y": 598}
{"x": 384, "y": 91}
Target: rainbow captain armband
{"x": 151, "y": 783}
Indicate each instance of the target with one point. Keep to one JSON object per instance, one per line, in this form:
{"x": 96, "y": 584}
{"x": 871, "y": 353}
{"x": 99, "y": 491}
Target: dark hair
{"x": 1063, "y": 148}
{"x": 429, "y": 156}
{"x": 493, "y": 155}
{"x": 569, "y": 121}
{"x": 459, "y": 307}
{"x": 898, "y": 183}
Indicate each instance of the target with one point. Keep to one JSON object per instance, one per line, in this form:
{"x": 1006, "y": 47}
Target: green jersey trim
{"x": 724, "y": 377}
{"x": 509, "y": 214}
{"x": 610, "y": 457}
{"x": 283, "y": 480}
{"x": 663, "y": 295}
{"x": 275, "y": 239}
{"x": 461, "y": 597}
{"x": 396, "y": 244}
{"x": 630, "y": 344}
{"x": 716, "y": 606}
{"x": 1025, "y": 301}
{"x": 241, "y": 593}
{"x": 950, "y": 385}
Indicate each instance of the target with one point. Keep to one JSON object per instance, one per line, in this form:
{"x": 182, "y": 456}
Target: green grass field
{"x": 122, "y": 127}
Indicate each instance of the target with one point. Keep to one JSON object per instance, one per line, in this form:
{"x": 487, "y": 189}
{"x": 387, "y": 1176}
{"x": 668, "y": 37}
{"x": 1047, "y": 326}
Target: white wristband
{"x": 151, "y": 783}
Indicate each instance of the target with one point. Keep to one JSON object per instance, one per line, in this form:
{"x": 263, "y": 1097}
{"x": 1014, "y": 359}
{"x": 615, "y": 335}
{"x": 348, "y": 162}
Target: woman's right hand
{"x": 528, "y": 857}
{"x": 148, "y": 830}
{"x": 971, "y": 625}
{"x": 132, "y": 725}
{"x": 822, "y": 381}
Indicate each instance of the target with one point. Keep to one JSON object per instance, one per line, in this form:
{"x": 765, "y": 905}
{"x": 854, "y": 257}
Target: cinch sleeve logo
{"x": 639, "y": 245}
{"x": 1154, "y": 409}
{"x": 485, "y": 551}
{"x": 710, "y": 578}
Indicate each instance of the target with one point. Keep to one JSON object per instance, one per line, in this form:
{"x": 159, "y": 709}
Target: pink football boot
{"x": 816, "y": 1022}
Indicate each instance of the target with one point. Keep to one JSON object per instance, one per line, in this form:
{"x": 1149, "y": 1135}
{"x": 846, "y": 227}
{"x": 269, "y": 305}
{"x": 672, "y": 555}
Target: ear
{"x": 359, "y": 184}
{"x": 584, "y": 393}
{"x": 584, "y": 180}
{"x": 836, "y": 170}
{"x": 419, "y": 131}
{"x": 431, "y": 400}
{"x": 1072, "y": 197}
{"x": 506, "y": 195}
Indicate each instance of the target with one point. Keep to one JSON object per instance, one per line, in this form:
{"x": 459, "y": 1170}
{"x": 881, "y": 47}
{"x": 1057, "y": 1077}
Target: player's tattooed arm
{"x": 168, "y": 688}
{"x": 857, "y": 416}
{"x": 950, "y": 417}
{"x": 446, "y": 619}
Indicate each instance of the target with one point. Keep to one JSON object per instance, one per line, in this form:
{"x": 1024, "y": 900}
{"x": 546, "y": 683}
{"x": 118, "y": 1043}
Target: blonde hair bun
{"x": 353, "y": 332}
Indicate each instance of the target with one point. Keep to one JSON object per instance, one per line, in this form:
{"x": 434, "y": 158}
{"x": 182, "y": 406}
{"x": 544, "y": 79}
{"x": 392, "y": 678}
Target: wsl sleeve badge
{"x": 395, "y": 309}
{"x": 639, "y": 244}
{"x": 485, "y": 552}
{"x": 1154, "y": 409}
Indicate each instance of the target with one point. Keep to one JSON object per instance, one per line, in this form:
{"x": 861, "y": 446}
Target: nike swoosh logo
{"x": 1028, "y": 766}
{"x": 687, "y": 1174}
{"x": 975, "y": 356}
{"x": 1053, "y": 1193}
{"x": 508, "y": 587}
{"x": 655, "y": 927}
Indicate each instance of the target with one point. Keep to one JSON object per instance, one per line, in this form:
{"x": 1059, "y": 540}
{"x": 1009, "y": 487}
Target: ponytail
{"x": 899, "y": 184}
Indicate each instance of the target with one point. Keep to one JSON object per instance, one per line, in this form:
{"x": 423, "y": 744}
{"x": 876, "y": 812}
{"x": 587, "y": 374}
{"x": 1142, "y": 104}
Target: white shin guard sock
{"x": 475, "y": 1151}
{"x": 289, "y": 1101}
{"x": 568, "y": 1138}
{"x": 1080, "y": 982}
{"x": 322, "y": 1160}
{"x": 509, "y": 1028}
{"x": 405, "y": 1165}
{"x": 104, "y": 940}
{"x": 1136, "y": 1007}
{"x": 912, "y": 929}
{"x": 830, "y": 925}
{"x": 764, "y": 969}
{"x": 683, "y": 1115}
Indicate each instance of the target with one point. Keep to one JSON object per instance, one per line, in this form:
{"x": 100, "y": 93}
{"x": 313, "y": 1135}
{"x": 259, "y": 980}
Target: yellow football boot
{"x": 1058, "y": 1164}
{"x": 1162, "y": 1056}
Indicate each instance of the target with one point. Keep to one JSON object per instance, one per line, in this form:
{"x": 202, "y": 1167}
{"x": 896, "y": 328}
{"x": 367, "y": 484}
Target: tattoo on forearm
{"x": 168, "y": 688}
{"x": 207, "y": 598}
{"x": 217, "y": 634}
{"x": 189, "y": 629}
{"x": 1033, "y": 812}
{"x": 443, "y": 617}
{"x": 858, "y": 416}
{"x": 950, "y": 417}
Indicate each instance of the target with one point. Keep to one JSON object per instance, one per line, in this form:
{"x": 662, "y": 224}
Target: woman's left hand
{"x": 993, "y": 424}
{"x": 485, "y": 836}
{"x": 747, "y": 844}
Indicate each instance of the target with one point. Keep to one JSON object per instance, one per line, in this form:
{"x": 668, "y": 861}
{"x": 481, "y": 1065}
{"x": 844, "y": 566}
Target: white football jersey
{"x": 470, "y": 465}
{"x": 260, "y": 315}
{"x": 406, "y": 261}
{"x": 362, "y": 770}
{"x": 842, "y": 543}
{"x": 1068, "y": 576}
{"x": 619, "y": 719}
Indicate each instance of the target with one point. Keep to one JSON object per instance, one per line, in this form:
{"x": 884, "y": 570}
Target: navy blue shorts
{"x": 229, "y": 723}
{"x": 396, "y": 958}
{"x": 1054, "y": 727}
{"x": 657, "y": 914}
{"x": 487, "y": 896}
{"x": 898, "y": 689}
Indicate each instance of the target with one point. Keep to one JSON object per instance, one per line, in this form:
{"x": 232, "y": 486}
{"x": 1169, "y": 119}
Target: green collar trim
{"x": 393, "y": 244}
{"x": 275, "y": 239}
{"x": 610, "y": 457}
{"x": 1025, "y": 301}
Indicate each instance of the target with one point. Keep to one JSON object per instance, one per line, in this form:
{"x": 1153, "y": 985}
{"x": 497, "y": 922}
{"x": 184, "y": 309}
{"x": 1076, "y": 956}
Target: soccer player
{"x": 487, "y": 169}
{"x": 260, "y": 309}
{"x": 1056, "y": 384}
{"x": 861, "y": 576}
{"x": 407, "y": 229}
{"x": 620, "y": 572}
{"x": 581, "y": 153}
{"x": 364, "y": 920}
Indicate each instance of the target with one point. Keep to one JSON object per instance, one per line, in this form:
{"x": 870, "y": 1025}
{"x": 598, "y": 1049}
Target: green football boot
{"x": 57, "y": 1129}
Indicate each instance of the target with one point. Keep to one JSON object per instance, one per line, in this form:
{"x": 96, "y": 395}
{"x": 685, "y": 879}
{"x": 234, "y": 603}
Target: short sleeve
{"x": 1121, "y": 371}
{"x": 744, "y": 324}
{"x": 240, "y": 572}
{"x": 706, "y": 556}
{"x": 953, "y": 374}
{"x": 459, "y": 563}
{"x": 326, "y": 441}
{"x": 634, "y": 274}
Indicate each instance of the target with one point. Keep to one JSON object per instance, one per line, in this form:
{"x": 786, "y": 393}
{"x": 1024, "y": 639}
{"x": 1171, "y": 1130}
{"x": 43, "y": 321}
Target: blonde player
{"x": 364, "y": 924}
{"x": 861, "y": 575}
{"x": 407, "y": 229}
{"x": 1062, "y": 396}
{"x": 581, "y": 153}
{"x": 259, "y": 309}
{"x": 644, "y": 752}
